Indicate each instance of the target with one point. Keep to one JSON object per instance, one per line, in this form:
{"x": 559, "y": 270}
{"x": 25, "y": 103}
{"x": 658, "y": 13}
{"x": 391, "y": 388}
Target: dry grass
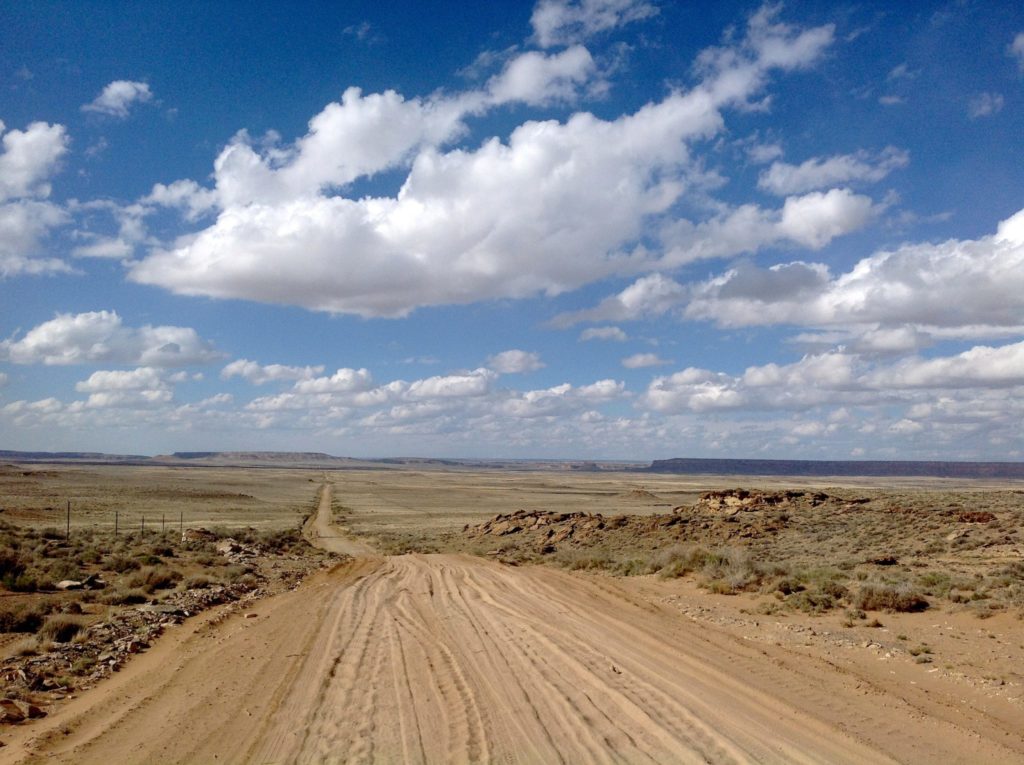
{"x": 62, "y": 628}
{"x": 879, "y": 544}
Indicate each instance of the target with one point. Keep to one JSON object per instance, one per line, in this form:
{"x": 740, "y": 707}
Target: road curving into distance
{"x": 455, "y": 659}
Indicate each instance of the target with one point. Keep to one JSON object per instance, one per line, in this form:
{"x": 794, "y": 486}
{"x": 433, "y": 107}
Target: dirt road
{"x": 440, "y": 658}
{"x": 323, "y": 534}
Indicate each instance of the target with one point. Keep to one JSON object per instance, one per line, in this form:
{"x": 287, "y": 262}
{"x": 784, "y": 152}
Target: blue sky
{"x": 621, "y": 229}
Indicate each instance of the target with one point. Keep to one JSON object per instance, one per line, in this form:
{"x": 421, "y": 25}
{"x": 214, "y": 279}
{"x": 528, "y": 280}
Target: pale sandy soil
{"x": 447, "y": 658}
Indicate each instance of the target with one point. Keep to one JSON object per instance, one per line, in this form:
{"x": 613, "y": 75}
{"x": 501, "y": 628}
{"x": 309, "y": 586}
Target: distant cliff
{"x": 873, "y": 468}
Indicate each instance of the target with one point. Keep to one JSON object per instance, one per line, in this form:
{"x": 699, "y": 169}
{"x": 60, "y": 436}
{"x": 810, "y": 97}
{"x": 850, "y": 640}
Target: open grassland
{"x": 37, "y": 495}
{"x": 70, "y": 597}
{"x": 864, "y": 545}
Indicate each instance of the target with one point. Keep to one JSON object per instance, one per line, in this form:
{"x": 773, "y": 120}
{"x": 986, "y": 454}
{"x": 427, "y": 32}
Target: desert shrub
{"x": 123, "y": 597}
{"x": 788, "y": 585}
{"x": 22, "y": 618}
{"x": 1013, "y": 573}
{"x": 282, "y": 541}
{"x": 579, "y": 560}
{"x": 59, "y": 569}
{"x": 11, "y": 565}
{"x": 121, "y": 563}
{"x": 248, "y": 580}
{"x": 155, "y": 578}
{"x": 815, "y": 601}
{"x": 680, "y": 560}
{"x": 83, "y": 665}
{"x": 23, "y": 583}
{"x": 888, "y": 597}
{"x": 198, "y": 582}
{"x": 936, "y": 583}
{"x": 729, "y": 571}
{"x": 237, "y": 571}
{"x": 61, "y": 628}
{"x": 90, "y": 555}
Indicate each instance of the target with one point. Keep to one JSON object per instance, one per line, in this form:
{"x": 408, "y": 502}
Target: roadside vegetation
{"x": 813, "y": 552}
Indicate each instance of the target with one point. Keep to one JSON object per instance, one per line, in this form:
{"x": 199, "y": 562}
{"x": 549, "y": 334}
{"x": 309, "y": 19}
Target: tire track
{"x": 436, "y": 658}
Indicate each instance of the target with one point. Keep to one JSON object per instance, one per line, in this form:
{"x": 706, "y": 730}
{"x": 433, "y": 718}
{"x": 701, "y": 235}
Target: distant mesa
{"x": 677, "y": 465}
{"x": 844, "y": 468}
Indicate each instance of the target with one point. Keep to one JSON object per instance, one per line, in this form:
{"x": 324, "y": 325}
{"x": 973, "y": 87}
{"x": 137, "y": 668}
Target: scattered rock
{"x": 11, "y": 712}
{"x": 884, "y": 560}
{"x": 975, "y": 516}
{"x": 198, "y": 535}
{"x": 31, "y": 711}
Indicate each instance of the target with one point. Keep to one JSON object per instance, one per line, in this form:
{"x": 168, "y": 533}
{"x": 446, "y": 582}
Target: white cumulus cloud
{"x": 563, "y": 22}
{"x": 556, "y": 206}
{"x": 985, "y": 105}
{"x": 258, "y": 374}
{"x": 641, "y": 360}
{"x": 101, "y": 337}
{"x": 117, "y": 98}
{"x": 537, "y": 78}
{"x": 30, "y": 157}
{"x": 1016, "y": 49}
{"x": 956, "y": 288}
{"x": 604, "y": 333}
{"x": 515, "y": 362}
{"x": 823, "y": 172}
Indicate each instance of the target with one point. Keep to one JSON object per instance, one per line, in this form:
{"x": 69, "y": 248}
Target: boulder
{"x": 30, "y": 711}
{"x": 11, "y": 712}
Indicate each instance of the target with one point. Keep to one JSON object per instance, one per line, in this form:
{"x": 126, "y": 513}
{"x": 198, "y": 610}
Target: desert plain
{"x": 418, "y": 613}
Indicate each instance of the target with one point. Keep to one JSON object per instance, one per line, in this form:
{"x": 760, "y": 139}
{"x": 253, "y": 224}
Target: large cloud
{"x": 30, "y": 157}
{"x": 837, "y": 378}
{"x": 957, "y": 288}
{"x": 143, "y": 387}
{"x": 101, "y": 337}
{"x": 24, "y": 225}
{"x": 551, "y": 209}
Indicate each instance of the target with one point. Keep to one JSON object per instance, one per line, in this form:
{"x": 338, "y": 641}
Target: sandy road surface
{"x": 323, "y": 534}
{"x": 445, "y": 658}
